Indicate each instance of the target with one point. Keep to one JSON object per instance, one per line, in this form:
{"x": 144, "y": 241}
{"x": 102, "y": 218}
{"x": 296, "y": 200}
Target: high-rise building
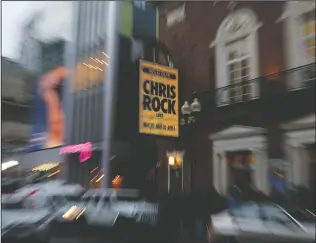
{"x": 16, "y": 106}
{"x": 95, "y": 93}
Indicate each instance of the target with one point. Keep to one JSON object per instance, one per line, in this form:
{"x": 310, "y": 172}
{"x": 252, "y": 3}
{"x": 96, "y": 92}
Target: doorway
{"x": 240, "y": 168}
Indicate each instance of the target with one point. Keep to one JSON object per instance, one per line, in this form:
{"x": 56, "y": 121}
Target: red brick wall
{"x": 189, "y": 43}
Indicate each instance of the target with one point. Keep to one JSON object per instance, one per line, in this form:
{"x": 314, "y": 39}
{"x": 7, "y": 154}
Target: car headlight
{"x": 74, "y": 213}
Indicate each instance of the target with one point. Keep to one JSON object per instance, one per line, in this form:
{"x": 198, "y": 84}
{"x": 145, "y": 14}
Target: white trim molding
{"x": 236, "y": 138}
{"x": 175, "y": 16}
{"x": 293, "y": 10}
{"x": 217, "y": 40}
{"x": 238, "y": 25}
{"x": 301, "y": 123}
{"x": 298, "y": 134}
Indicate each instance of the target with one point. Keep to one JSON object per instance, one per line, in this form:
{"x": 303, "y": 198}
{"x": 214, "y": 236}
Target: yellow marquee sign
{"x": 158, "y": 96}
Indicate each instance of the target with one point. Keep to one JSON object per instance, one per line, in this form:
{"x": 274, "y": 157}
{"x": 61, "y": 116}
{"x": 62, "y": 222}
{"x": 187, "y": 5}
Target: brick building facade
{"x": 252, "y": 66}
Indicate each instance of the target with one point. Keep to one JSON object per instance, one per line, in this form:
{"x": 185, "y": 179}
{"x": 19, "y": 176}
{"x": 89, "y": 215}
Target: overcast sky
{"x": 15, "y": 13}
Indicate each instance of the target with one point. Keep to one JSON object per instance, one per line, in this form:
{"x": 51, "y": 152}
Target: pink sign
{"x": 85, "y": 150}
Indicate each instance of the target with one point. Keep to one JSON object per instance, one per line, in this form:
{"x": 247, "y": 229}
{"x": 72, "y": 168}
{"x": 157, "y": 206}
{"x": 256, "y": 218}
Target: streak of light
{"x": 54, "y": 173}
{"x": 80, "y": 214}
{"x": 93, "y": 170}
{"x": 105, "y": 54}
{"x": 100, "y": 178}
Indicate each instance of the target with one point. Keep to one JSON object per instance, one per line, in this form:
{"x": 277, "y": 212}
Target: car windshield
{"x": 272, "y": 212}
{"x": 302, "y": 215}
{"x": 12, "y": 205}
{"x": 247, "y": 211}
{"x": 60, "y": 199}
{"x": 127, "y": 199}
{"x": 73, "y": 198}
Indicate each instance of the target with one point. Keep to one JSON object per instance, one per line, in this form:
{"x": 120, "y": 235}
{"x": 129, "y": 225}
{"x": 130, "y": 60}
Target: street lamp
{"x": 171, "y": 160}
{"x": 190, "y": 112}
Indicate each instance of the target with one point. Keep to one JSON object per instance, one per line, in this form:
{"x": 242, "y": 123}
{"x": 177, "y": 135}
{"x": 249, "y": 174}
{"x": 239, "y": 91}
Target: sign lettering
{"x": 158, "y": 91}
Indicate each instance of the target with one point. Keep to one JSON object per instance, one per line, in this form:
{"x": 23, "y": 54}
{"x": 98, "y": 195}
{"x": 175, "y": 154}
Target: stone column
{"x": 265, "y": 170}
{"x": 216, "y": 170}
{"x": 256, "y": 174}
{"x": 290, "y": 160}
{"x": 260, "y": 174}
{"x": 224, "y": 172}
{"x": 304, "y": 173}
{"x": 296, "y": 167}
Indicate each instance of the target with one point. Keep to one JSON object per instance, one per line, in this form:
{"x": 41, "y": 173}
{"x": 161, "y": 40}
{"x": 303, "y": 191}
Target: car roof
{"x": 107, "y": 192}
{"x": 13, "y": 198}
{"x": 66, "y": 190}
{"x": 51, "y": 189}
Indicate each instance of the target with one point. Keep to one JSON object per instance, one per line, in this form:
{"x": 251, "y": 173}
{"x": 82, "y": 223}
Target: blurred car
{"x": 9, "y": 185}
{"x": 261, "y": 222}
{"x": 50, "y": 199}
{"x": 126, "y": 202}
{"x": 119, "y": 211}
{"x": 22, "y": 221}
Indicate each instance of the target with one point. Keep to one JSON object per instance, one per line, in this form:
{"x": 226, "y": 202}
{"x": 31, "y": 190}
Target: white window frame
{"x": 235, "y": 60}
{"x": 303, "y": 39}
{"x": 222, "y": 40}
{"x": 295, "y": 55}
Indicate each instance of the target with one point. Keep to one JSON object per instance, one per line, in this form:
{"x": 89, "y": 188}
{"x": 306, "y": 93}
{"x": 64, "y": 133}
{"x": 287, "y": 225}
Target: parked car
{"x": 127, "y": 202}
{"x": 9, "y": 185}
{"x": 119, "y": 211}
{"x": 261, "y": 222}
{"x": 50, "y": 198}
{"x": 22, "y": 220}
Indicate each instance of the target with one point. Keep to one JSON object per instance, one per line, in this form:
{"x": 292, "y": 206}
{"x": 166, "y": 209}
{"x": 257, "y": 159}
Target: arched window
{"x": 237, "y": 57}
{"x": 299, "y": 28}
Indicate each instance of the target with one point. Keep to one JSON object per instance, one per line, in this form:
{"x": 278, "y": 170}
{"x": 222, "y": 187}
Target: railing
{"x": 294, "y": 79}
{"x": 300, "y": 78}
{"x": 236, "y": 93}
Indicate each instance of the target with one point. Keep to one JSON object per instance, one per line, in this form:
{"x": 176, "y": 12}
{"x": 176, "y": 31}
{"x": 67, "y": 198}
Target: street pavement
{"x": 182, "y": 237}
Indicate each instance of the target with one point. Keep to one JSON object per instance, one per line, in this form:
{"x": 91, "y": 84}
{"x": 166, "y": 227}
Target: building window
{"x": 237, "y": 39}
{"x": 308, "y": 35}
{"x": 299, "y": 27}
{"x": 299, "y": 33}
{"x": 238, "y": 68}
